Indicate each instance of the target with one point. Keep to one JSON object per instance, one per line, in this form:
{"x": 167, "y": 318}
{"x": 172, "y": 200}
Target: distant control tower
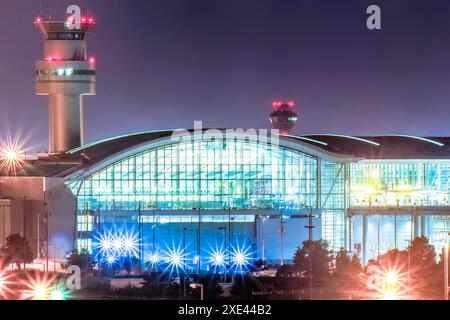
{"x": 65, "y": 74}
{"x": 283, "y": 118}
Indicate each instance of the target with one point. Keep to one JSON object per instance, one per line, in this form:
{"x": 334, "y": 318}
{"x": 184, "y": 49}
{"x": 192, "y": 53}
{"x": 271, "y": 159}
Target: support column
{"x": 350, "y": 233}
{"x": 422, "y": 225}
{"x": 416, "y": 226}
{"x": 364, "y": 237}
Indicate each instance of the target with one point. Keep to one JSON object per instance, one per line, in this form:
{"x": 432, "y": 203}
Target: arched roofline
{"x": 285, "y": 141}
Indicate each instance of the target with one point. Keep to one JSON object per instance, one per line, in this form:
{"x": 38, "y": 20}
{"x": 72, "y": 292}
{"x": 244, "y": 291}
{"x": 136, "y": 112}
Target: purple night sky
{"x": 165, "y": 63}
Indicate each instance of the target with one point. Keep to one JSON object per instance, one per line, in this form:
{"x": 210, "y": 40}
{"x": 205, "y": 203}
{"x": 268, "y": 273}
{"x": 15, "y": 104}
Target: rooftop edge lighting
{"x": 349, "y": 137}
{"x": 88, "y": 145}
{"x": 306, "y": 139}
{"x": 440, "y": 144}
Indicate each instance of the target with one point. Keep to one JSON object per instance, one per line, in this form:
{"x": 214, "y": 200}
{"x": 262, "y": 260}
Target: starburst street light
{"x": 154, "y": 259}
{"x": 175, "y": 258}
{"x": 4, "y": 285}
{"x": 59, "y": 292}
{"x": 388, "y": 283}
{"x": 241, "y": 258}
{"x": 115, "y": 244}
{"x": 11, "y": 156}
{"x": 217, "y": 257}
{"x": 37, "y": 286}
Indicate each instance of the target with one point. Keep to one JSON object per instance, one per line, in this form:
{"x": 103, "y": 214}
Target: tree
{"x": 440, "y": 274}
{"x": 17, "y": 251}
{"x": 322, "y": 260}
{"x": 342, "y": 262}
{"x": 347, "y": 269}
{"x": 243, "y": 286}
{"x": 417, "y": 262}
{"x": 423, "y": 264}
{"x": 287, "y": 277}
{"x": 82, "y": 258}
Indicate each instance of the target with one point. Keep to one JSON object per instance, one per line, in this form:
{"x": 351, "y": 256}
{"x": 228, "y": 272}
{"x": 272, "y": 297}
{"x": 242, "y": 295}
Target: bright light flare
{"x": 391, "y": 278}
{"x": 217, "y": 257}
{"x": 37, "y": 286}
{"x": 110, "y": 259}
{"x": 175, "y": 258}
{"x": 11, "y": 156}
{"x": 59, "y": 292}
{"x": 388, "y": 283}
{"x": 390, "y": 295}
{"x": 241, "y": 258}
{"x": 5, "y": 285}
{"x": 40, "y": 292}
{"x": 154, "y": 259}
{"x": 116, "y": 243}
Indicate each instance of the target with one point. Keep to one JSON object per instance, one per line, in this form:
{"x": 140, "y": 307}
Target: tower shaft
{"x": 64, "y": 122}
{"x": 65, "y": 75}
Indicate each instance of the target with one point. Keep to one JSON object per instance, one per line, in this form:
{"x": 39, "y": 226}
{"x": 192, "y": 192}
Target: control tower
{"x": 283, "y": 118}
{"x": 65, "y": 74}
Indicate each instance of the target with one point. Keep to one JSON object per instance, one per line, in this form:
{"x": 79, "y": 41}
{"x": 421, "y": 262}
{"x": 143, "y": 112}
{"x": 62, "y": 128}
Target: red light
{"x": 277, "y": 104}
{"x": 92, "y": 60}
{"x": 83, "y": 20}
{"x": 91, "y": 20}
{"x": 38, "y": 20}
{"x": 291, "y": 104}
{"x": 51, "y": 58}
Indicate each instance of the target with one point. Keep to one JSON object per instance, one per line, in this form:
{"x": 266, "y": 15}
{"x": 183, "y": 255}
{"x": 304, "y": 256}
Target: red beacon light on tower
{"x": 87, "y": 20}
{"x": 283, "y": 118}
{"x": 54, "y": 58}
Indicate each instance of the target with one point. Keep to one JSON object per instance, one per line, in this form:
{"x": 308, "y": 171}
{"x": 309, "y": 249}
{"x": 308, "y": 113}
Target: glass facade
{"x": 333, "y": 202}
{"x": 206, "y": 175}
{"x": 403, "y": 183}
{"x": 419, "y": 189}
{"x": 175, "y": 187}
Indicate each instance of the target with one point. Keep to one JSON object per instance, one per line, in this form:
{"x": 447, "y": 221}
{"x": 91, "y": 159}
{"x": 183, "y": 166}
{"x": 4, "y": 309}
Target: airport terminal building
{"x": 366, "y": 194}
{"x": 149, "y": 193}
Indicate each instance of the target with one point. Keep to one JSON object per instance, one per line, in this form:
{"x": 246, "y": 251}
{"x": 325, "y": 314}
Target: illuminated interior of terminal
{"x": 234, "y": 184}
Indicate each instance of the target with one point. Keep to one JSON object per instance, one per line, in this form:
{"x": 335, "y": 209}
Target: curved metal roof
{"x": 388, "y": 147}
{"x": 341, "y": 147}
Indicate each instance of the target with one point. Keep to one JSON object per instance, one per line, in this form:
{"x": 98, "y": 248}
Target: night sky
{"x": 165, "y": 63}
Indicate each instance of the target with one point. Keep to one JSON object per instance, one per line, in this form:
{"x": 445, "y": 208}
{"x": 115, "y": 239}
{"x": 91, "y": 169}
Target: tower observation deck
{"x": 283, "y": 118}
{"x": 65, "y": 74}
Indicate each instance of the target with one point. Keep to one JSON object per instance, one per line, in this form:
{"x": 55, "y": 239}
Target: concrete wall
{"x": 32, "y": 199}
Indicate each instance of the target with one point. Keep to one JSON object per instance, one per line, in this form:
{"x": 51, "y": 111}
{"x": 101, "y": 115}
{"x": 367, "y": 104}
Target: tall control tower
{"x": 65, "y": 74}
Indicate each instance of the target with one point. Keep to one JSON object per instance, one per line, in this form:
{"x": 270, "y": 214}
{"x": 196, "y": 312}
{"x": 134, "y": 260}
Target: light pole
{"x": 141, "y": 247}
{"x": 310, "y": 228}
{"x": 263, "y": 258}
{"x": 198, "y": 239}
{"x": 445, "y": 257}
{"x": 224, "y": 229}
{"x": 198, "y": 285}
{"x": 281, "y": 239}
{"x": 446, "y": 270}
{"x": 184, "y": 261}
{"x": 153, "y": 232}
{"x": 310, "y": 236}
{"x": 409, "y": 267}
